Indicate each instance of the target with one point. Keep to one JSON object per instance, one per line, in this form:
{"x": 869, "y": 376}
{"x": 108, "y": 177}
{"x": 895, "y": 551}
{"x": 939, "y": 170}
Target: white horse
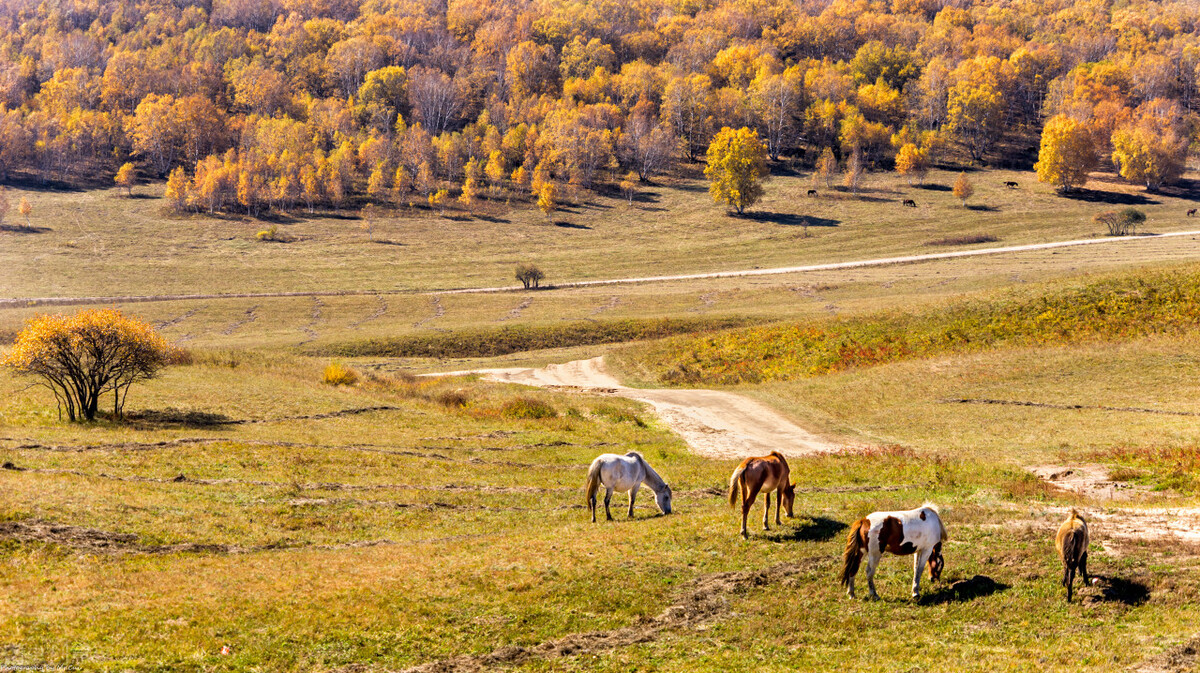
{"x": 625, "y": 473}
{"x": 918, "y": 531}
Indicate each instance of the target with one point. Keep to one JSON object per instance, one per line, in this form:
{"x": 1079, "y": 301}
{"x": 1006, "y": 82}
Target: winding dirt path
{"x": 25, "y": 302}
{"x": 714, "y": 423}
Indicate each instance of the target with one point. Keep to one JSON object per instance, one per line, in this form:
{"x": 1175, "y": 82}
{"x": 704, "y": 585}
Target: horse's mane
{"x": 649, "y": 470}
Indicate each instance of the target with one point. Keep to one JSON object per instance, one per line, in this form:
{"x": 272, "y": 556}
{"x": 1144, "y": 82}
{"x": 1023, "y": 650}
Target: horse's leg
{"x": 850, "y": 588}
{"x": 1083, "y": 568}
{"x": 608, "y": 491}
{"x": 872, "y": 562}
{"x": 632, "y": 496}
{"x": 919, "y": 561}
{"x": 1070, "y": 581}
{"x": 748, "y": 496}
{"x": 766, "y": 511}
{"x": 592, "y": 506}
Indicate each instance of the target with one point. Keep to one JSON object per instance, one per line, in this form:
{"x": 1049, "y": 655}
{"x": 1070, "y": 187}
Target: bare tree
{"x": 434, "y": 98}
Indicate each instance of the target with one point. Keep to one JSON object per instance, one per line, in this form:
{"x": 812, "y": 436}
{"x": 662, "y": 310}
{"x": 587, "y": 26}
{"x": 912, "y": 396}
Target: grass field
{"x": 433, "y": 522}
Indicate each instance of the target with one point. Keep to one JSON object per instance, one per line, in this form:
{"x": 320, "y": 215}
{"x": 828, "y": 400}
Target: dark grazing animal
{"x": 1072, "y": 545}
{"x": 909, "y": 202}
{"x": 1192, "y": 212}
{"x": 1010, "y": 184}
{"x": 813, "y": 192}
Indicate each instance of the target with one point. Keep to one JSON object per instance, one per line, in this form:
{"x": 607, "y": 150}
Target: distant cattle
{"x": 1192, "y": 212}
{"x": 812, "y": 192}
{"x": 1010, "y": 184}
{"x": 909, "y": 202}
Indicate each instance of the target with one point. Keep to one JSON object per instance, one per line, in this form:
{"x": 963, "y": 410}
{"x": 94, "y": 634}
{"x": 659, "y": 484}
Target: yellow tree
{"x": 1068, "y": 153}
{"x": 25, "y": 208}
{"x": 737, "y": 167}
{"x": 963, "y": 189}
{"x": 81, "y": 357}
{"x": 827, "y": 167}
{"x": 377, "y": 183}
{"x": 912, "y": 161}
{"x": 177, "y": 188}
{"x": 495, "y": 170}
{"x": 629, "y": 185}
{"x": 1152, "y": 150}
{"x": 126, "y": 178}
{"x": 854, "y": 173}
{"x": 547, "y": 198}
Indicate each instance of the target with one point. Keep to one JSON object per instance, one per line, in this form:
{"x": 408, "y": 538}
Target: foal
{"x": 918, "y": 531}
{"x": 1072, "y": 545}
{"x": 766, "y": 474}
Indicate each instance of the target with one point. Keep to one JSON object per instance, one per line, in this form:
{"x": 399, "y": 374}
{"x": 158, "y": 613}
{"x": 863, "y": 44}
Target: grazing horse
{"x": 813, "y": 192}
{"x": 909, "y": 202}
{"x": 1192, "y": 212}
{"x": 1010, "y": 184}
{"x": 1072, "y": 545}
{"x": 625, "y": 473}
{"x": 918, "y": 531}
{"x": 766, "y": 474}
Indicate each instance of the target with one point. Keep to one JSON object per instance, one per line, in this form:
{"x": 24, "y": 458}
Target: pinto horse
{"x": 621, "y": 474}
{"x": 766, "y": 474}
{"x": 918, "y": 531}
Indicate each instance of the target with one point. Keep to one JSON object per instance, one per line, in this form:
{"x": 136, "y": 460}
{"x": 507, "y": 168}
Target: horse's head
{"x": 936, "y": 563}
{"x": 789, "y": 497}
{"x": 663, "y": 499}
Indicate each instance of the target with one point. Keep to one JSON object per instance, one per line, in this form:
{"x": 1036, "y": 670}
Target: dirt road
{"x": 715, "y": 424}
{"x": 25, "y": 302}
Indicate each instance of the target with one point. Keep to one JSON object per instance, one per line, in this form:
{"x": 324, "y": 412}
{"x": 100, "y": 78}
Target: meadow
{"x": 437, "y": 523}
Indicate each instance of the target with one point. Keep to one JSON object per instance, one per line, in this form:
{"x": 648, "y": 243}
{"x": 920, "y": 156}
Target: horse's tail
{"x": 854, "y": 546}
{"x": 734, "y": 481}
{"x": 930, "y": 506}
{"x": 1075, "y": 540}
{"x": 593, "y": 481}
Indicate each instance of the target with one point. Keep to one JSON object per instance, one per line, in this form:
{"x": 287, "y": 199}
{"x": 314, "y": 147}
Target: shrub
{"x": 617, "y": 415}
{"x": 81, "y": 357}
{"x": 337, "y": 374}
{"x": 1121, "y": 223}
{"x": 527, "y": 407}
{"x": 965, "y": 240}
{"x": 271, "y": 234}
{"x": 454, "y": 399}
{"x": 529, "y": 275}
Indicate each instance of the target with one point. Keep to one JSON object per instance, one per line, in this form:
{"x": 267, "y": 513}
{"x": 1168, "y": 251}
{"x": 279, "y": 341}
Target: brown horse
{"x": 1191, "y": 213}
{"x": 1072, "y": 545}
{"x": 766, "y": 474}
{"x": 909, "y": 202}
{"x": 812, "y": 192}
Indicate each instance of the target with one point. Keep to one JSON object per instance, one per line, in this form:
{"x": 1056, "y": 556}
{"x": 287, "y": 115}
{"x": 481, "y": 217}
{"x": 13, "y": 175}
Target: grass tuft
{"x": 337, "y": 374}
{"x": 527, "y": 407}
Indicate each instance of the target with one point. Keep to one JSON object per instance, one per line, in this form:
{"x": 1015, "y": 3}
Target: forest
{"x": 258, "y": 105}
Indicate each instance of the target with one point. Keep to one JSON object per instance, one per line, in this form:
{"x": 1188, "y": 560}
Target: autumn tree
{"x": 5, "y": 205}
{"x": 87, "y": 355}
{"x": 912, "y": 161}
{"x": 854, "y": 173}
{"x": 176, "y": 191}
{"x": 827, "y": 167}
{"x": 963, "y": 189}
{"x": 1067, "y": 155}
{"x": 126, "y": 178}
{"x": 1153, "y": 149}
{"x": 629, "y": 185}
{"x": 547, "y": 198}
{"x": 25, "y": 208}
{"x": 737, "y": 167}
{"x": 529, "y": 275}
{"x": 1121, "y": 223}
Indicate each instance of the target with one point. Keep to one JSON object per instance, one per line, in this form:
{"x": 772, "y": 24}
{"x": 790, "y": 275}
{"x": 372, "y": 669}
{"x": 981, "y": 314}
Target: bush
{"x": 617, "y": 415}
{"x": 529, "y": 275}
{"x": 527, "y": 407}
{"x": 337, "y": 374}
{"x": 1121, "y": 223}
{"x": 454, "y": 399}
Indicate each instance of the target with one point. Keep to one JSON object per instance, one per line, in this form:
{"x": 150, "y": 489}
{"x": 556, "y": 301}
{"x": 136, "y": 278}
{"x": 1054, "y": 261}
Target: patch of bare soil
{"x": 714, "y": 423}
{"x": 1088, "y": 480}
{"x": 1183, "y": 658}
{"x": 1115, "y": 527}
{"x": 706, "y": 600}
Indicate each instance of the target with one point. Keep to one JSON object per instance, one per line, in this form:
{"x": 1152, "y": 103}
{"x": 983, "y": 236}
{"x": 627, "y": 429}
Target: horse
{"x": 918, "y": 531}
{"x": 813, "y": 192}
{"x": 625, "y": 473}
{"x": 1191, "y": 213}
{"x": 766, "y": 474}
{"x": 1010, "y": 184}
{"x": 909, "y": 202}
{"x": 1072, "y": 545}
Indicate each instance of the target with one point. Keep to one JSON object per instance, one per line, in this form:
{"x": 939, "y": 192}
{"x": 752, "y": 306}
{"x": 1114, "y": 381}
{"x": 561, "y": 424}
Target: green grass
{"x": 493, "y": 342}
{"x": 489, "y": 543}
{"x": 1119, "y": 307}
